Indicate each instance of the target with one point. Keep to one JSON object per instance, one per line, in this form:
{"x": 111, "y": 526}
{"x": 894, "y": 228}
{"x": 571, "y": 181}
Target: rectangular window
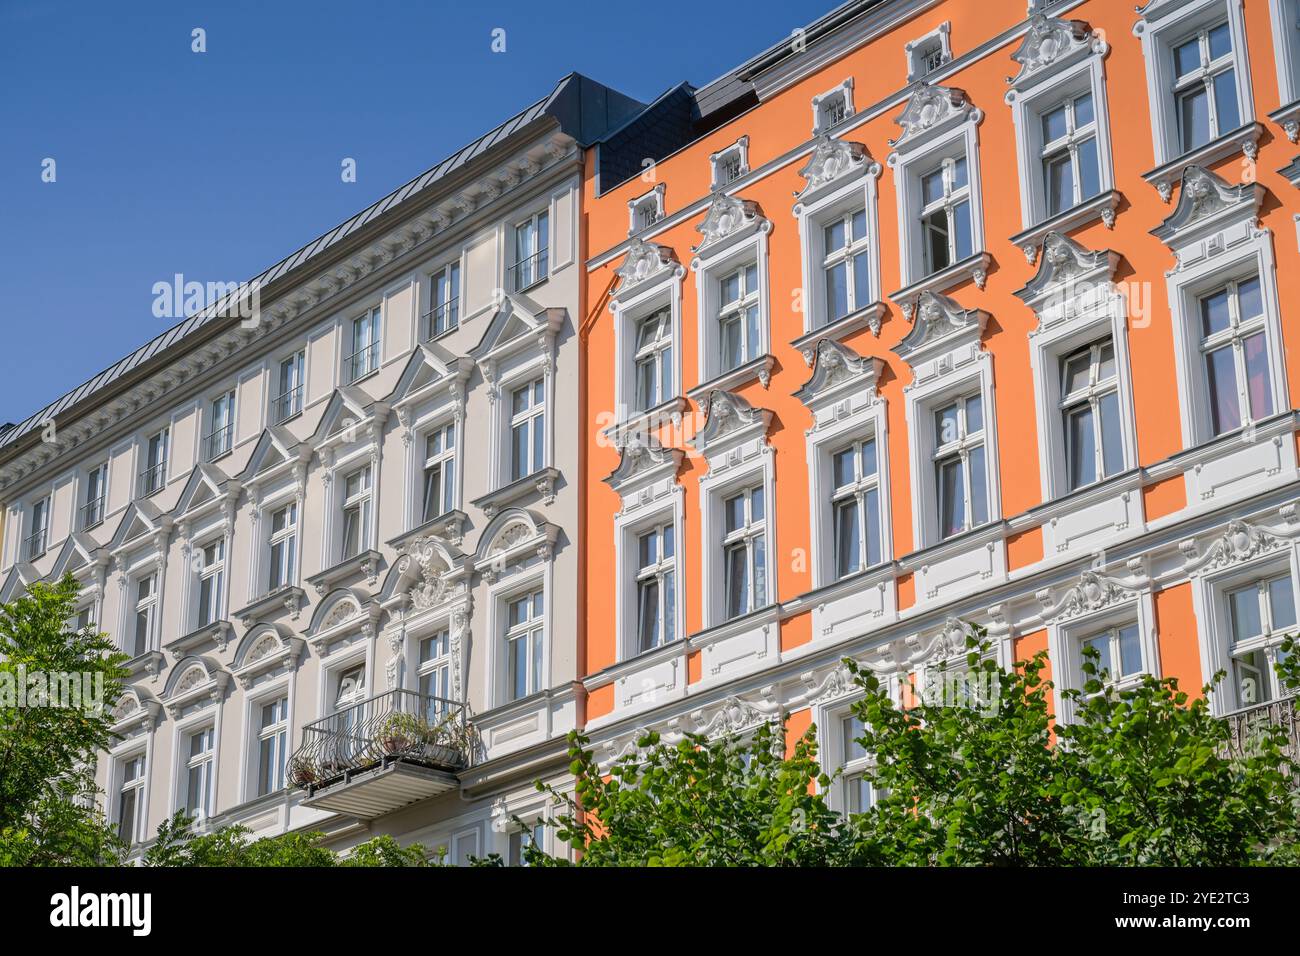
{"x": 654, "y": 360}
{"x": 525, "y": 627}
{"x": 222, "y": 421}
{"x": 738, "y": 316}
{"x": 527, "y": 429}
{"x": 130, "y": 798}
{"x": 1205, "y": 87}
{"x": 154, "y": 475}
{"x": 855, "y": 507}
{"x": 1119, "y": 651}
{"x": 1234, "y": 348}
{"x": 439, "y": 472}
{"x": 38, "y": 540}
{"x": 284, "y": 546}
{"x": 445, "y": 291}
{"x": 1094, "y": 447}
{"x": 212, "y": 575}
{"x": 532, "y": 242}
{"x": 961, "y": 475}
{"x": 744, "y": 553}
{"x": 846, "y": 265}
{"x": 198, "y": 774}
{"x": 656, "y": 589}
{"x": 946, "y": 215}
{"x": 434, "y": 674}
{"x": 272, "y": 745}
{"x": 1259, "y": 615}
{"x": 289, "y": 396}
{"x": 146, "y": 607}
{"x": 519, "y": 839}
{"x": 356, "y": 513}
{"x": 365, "y": 346}
{"x": 1071, "y": 172}
{"x": 857, "y": 789}
{"x": 92, "y": 508}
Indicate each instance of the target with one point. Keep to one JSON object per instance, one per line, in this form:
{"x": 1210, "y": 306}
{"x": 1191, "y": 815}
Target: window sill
{"x": 868, "y": 317}
{"x": 542, "y": 482}
{"x": 361, "y": 378}
{"x": 642, "y": 423}
{"x": 366, "y": 562}
{"x": 1288, "y": 117}
{"x": 1244, "y": 139}
{"x": 450, "y": 525}
{"x": 993, "y": 532}
{"x": 759, "y": 369}
{"x": 721, "y": 631}
{"x": 973, "y": 268}
{"x": 1100, "y": 207}
{"x": 287, "y": 596}
{"x": 519, "y": 289}
{"x": 216, "y": 633}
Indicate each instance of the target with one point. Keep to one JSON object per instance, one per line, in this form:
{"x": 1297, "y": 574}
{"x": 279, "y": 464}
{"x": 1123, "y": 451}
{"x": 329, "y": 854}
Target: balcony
{"x": 1242, "y": 725}
{"x": 442, "y": 319}
{"x": 92, "y": 514}
{"x": 382, "y": 754}
{"x": 529, "y": 271}
{"x": 361, "y": 363}
{"x": 287, "y": 406}
{"x": 152, "y": 479}
{"x": 34, "y": 545}
{"x": 218, "y": 443}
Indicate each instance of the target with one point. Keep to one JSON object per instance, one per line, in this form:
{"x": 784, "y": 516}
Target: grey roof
{"x": 583, "y": 108}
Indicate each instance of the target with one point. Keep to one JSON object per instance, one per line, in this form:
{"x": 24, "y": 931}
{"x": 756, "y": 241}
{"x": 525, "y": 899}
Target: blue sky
{"x": 216, "y": 165}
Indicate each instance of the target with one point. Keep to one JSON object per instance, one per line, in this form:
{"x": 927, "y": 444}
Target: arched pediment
{"x": 510, "y": 532}
{"x": 259, "y": 641}
{"x": 338, "y": 607}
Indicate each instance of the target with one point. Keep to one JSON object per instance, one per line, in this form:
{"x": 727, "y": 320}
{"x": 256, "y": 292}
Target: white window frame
{"x": 942, "y": 449}
{"x": 1065, "y": 637}
{"x": 154, "y": 473}
{"x": 150, "y": 605}
{"x": 856, "y": 493}
{"x": 444, "y": 312}
{"x": 40, "y": 510}
{"x": 749, "y": 247}
{"x": 645, "y": 211}
{"x": 729, "y": 164}
{"x": 220, "y": 439}
{"x": 278, "y": 733}
{"x": 833, "y": 107}
{"x": 929, "y": 53}
{"x": 1286, "y": 55}
{"x": 448, "y": 456}
{"x": 1164, "y": 25}
{"x": 639, "y": 296}
{"x": 364, "y": 501}
{"x": 372, "y": 322}
{"x": 138, "y": 783}
{"x": 289, "y": 402}
{"x": 531, "y": 630}
{"x": 288, "y": 540}
{"x": 717, "y": 540}
{"x": 1092, "y": 395}
{"x": 205, "y": 763}
{"x": 540, "y": 223}
{"x": 215, "y": 572}
{"x": 440, "y": 666}
{"x": 532, "y": 418}
{"x": 96, "y": 506}
{"x": 525, "y": 567}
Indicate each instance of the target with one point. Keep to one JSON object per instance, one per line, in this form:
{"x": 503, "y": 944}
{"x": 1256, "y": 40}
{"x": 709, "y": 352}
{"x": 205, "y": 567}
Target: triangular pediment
{"x": 275, "y": 447}
{"x": 519, "y": 319}
{"x": 347, "y": 407}
{"x": 207, "y": 484}
{"x": 77, "y": 554}
{"x": 429, "y": 364}
{"x": 140, "y": 519}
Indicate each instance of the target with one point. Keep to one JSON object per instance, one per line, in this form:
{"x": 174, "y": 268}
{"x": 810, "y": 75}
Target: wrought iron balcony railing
{"x": 153, "y": 478}
{"x": 362, "y": 362}
{"x": 287, "y": 405}
{"x": 395, "y": 726}
{"x": 34, "y": 546}
{"x": 443, "y": 318}
{"x": 1244, "y": 724}
{"x": 530, "y": 271}
{"x": 92, "y": 513}
{"x": 219, "y": 442}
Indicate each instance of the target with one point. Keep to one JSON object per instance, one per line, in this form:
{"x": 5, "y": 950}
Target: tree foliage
{"x": 1142, "y": 775}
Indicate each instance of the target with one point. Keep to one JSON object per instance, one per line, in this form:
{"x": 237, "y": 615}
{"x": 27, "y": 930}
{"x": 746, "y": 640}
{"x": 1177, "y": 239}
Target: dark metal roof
{"x": 583, "y": 108}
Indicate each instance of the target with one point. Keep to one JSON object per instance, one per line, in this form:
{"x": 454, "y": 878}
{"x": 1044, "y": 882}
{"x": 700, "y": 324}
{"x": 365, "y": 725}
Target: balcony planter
{"x": 302, "y": 773}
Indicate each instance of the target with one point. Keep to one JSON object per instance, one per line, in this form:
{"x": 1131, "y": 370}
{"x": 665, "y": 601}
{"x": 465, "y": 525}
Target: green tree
{"x": 48, "y": 801}
{"x": 177, "y": 845}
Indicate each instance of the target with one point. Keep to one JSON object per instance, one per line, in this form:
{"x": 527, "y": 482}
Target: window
{"x": 527, "y": 429}
{"x": 146, "y": 607}
{"x": 351, "y": 688}
{"x": 857, "y": 789}
{"x": 731, "y": 163}
{"x": 855, "y": 507}
{"x": 959, "y": 464}
{"x": 656, "y": 593}
{"x": 433, "y": 674}
{"x": 1094, "y": 441}
{"x": 350, "y": 691}
{"x": 832, "y": 108}
{"x": 445, "y": 289}
{"x": 222, "y": 421}
{"x": 738, "y": 318}
{"x": 520, "y": 839}
{"x": 92, "y": 508}
{"x": 744, "y": 553}
{"x": 365, "y": 346}
{"x": 1259, "y": 616}
{"x": 928, "y": 53}
{"x": 1071, "y": 170}
{"x": 1205, "y": 87}
{"x": 356, "y": 513}
{"x": 130, "y": 798}
{"x": 945, "y": 215}
{"x": 272, "y": 745}
{"x": 198, "y": 774}
{"x": 654, "y": 359}
{"x": 532, "y": 240}
{"x": 1234, "y": 350}
{"x": 288, "y": 402}
{"x": 84, "y": 619}
{"x": 1119, "y": 651}
{"x": 38, "y": 540}
{"x": 524, "y": 631}
{"x": 439, "y": 471}
{"x": 154, "y": 475}
{"x": 645, "y": 211}
{"x": 284, "y": 545}
{"x": 846, "y": 264}
{"x": 212, "y": 572}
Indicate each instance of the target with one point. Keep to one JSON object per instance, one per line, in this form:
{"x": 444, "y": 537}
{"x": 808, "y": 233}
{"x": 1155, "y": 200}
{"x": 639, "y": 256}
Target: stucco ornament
{"x": 343, "y": 611}
{"x": 644, "y": 260}
{"x": 265, "y": 647}
{"x": 830, "y": 159}
{"x": 432, "y": 586}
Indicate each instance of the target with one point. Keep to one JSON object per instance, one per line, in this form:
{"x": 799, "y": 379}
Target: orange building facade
{"x": 941, "y": 313}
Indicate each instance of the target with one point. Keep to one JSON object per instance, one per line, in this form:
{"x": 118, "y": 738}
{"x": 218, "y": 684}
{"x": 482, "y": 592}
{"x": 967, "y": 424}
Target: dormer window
{"x": 731, "y": 163}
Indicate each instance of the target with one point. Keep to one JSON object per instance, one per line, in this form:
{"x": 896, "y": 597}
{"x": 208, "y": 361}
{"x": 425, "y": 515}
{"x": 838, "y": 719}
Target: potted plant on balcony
{"x": 302, "y": 772}
{"x": 447, "y": 742}
{"x": 401, "y": 733}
